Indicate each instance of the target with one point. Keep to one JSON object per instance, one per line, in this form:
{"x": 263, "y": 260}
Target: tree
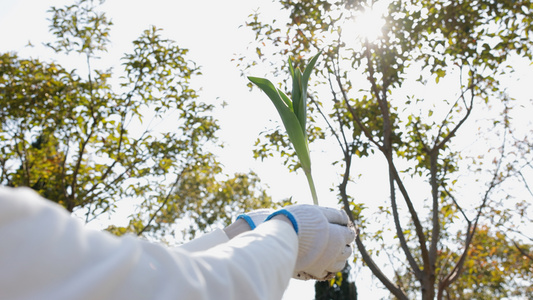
{"x": 423, "y": 46}
{"x": 338, "y": 288}
{"x": 495, "y": 269}
{"x": 89, "y": 141}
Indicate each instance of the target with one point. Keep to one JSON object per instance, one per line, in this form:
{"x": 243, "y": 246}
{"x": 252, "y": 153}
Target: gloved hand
{"x": 255, "y": 217}
{"x": 325, "y": 236}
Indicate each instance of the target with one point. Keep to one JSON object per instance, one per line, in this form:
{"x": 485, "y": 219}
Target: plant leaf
{"x": 304, "y": 81}
{"x": 293, "y": 113}
{"x": 289, "y": 119}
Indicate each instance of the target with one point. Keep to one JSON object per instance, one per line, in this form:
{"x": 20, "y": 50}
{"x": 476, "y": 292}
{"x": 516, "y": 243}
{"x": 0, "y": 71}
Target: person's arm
{"x": 244, "y": 222}
{"x": 46, "y": 254}
{"x": 205, "y": 242}
{"x": 215, "y": 237}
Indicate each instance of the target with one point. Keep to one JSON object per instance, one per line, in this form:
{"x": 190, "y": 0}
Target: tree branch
{"x": 454, "y": 130}
{"x": 365, "y": 130}
{"x": 525, "y": 183}
{"x": 435, "y": 232}
{"x": 386, "y": 149}
{"x": 170, "y": 192}
{"x": 522, "y": 251}
{"x": 342, "y": 187}
{"x": 455, "y": 273}
{"x": 377, "y": 271}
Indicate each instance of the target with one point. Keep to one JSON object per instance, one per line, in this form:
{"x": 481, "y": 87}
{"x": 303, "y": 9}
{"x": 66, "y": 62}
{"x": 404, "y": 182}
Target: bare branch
{"x": 419, "y": 135}
{"x": 344, "y": 183}
{"x": 522, "y": 251}
{"x": 165, "y": 201}
{"x": 471, "y": 229}
{"x": 365, "y": 130}
{"x": 525, "y": 183}
{"x": 64, "y": 169}
{"x": 341, "y": 124}
{"x": 458, "y": 206}
{"x": 399, "y": 230}
{"x": 394, "y": 176}
{"x": 73, "y": 196}
{"x": 396, "y": 291}
{"x": 461, "y": 122}
{"x": 520, "y": 233}
{"x": 435, "y": 232}
{"x": 461, "y": 97}
{"x": 333, "y": 131}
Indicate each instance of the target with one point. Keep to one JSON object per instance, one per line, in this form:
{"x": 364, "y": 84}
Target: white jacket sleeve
{"x": 46, "y": 254}
{"x": 206, "y": 241}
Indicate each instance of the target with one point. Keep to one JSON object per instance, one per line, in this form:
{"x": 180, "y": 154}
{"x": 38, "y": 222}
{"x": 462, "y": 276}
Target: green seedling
{"x": 293, "y": 113}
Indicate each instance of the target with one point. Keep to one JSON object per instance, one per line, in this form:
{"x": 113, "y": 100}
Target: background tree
{"x": 494, "y": 268}
{"x": 89, "y": 141}
{"x": 391, "y": 95}
{"x": 338, "y": 288}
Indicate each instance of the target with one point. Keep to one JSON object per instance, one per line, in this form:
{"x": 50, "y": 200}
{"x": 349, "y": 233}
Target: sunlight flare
{"x": 367, "y": 24}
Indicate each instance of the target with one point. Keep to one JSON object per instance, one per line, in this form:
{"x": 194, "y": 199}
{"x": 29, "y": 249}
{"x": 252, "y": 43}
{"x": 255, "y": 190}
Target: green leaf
{"x": 291, "y": 123}
{"x": 302, "y": 113}
{"x": 296, "y": 92}
{"x": 298, "y": 106}
{"x": 294, "y": 114}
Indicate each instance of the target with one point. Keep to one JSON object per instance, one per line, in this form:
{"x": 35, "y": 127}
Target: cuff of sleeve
{"x": 287, "y": 214}
{"x": 248, "y": 220}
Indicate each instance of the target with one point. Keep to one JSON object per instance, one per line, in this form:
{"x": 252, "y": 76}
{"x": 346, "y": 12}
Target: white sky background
{"x": 210, "y": 30}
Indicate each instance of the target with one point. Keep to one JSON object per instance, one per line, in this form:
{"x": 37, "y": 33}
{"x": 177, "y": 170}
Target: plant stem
{"x": 311, "y": 186}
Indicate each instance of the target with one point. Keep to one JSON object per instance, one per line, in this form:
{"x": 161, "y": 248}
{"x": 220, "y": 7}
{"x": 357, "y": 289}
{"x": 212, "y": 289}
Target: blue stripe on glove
{"x": 287, "y": 214}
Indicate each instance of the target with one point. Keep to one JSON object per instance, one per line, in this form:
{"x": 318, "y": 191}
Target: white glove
{"x": 255, "y": 217}
{"x": 324, "y": 240}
